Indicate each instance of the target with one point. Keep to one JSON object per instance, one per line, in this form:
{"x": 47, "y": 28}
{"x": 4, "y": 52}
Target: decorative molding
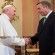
{"x": 7, "y": 2}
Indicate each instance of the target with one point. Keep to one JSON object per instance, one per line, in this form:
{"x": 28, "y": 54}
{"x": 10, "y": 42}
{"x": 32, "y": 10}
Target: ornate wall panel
{"x": 30, "y": 17}
{"x": 35, "y": 16}
{"x": 53, "y": 3}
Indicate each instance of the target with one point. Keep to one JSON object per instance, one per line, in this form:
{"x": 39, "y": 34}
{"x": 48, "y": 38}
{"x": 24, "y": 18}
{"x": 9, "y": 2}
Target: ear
{"x": 7, "y": 10}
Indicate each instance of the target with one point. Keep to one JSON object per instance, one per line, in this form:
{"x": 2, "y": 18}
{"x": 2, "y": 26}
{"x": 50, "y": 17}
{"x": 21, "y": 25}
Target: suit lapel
{"x": 42, "y": 26}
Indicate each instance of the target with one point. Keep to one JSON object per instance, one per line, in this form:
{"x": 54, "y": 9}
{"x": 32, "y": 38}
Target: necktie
{"x": 44, "y": 19}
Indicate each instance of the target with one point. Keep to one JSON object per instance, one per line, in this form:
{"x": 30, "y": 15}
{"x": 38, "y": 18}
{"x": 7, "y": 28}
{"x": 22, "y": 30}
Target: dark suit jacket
{"x": 46, "y": 35}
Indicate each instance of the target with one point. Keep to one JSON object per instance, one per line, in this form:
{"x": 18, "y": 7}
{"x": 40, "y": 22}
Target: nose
{"x": 38, "y": 11}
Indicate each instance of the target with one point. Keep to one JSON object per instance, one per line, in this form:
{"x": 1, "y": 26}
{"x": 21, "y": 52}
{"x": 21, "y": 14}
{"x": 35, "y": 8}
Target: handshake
{"x": 17, "y": 41}
{"x": 27, "y": 41}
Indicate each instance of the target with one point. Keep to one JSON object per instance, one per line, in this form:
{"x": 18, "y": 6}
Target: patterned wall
{"x": 35, "y": 16}
{"x": 30, "y": 17}
{"x": 53, "y": 2}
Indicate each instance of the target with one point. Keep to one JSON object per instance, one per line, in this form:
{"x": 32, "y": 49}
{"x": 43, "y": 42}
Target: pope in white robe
{"x": 8, "y": 35}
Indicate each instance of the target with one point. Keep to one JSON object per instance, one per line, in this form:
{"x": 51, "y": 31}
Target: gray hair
{"x": 45, "y": 3}
{"x": 6, "y": 7}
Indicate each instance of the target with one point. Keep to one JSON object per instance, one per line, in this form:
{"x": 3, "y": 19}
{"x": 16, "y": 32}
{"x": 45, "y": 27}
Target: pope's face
{"x": 12, "y": 12}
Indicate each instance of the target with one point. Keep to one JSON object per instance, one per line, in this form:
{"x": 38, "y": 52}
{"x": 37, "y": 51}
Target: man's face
{"x": 41, "y": 9}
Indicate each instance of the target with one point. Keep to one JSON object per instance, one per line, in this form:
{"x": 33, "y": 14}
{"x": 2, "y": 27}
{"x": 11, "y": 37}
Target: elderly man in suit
{"x": 8, "y": 35}
{"x": 46, "y": 29}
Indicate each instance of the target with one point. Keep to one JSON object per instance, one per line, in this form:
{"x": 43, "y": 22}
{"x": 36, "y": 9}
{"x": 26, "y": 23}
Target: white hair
{"x": 7, "y": 6}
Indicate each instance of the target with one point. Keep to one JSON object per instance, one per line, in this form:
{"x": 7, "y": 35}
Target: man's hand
{"x": 27, "y": 40}
{"x": 53, "y": 53}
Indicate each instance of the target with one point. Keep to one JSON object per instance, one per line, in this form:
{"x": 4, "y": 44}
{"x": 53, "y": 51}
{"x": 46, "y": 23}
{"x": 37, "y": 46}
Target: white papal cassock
{"x": 8, "y": 36}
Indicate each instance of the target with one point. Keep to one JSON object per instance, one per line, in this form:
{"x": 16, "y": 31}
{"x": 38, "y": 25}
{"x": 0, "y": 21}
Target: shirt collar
{"x": 6, "y": 16}
{"x": 48, "y": 14}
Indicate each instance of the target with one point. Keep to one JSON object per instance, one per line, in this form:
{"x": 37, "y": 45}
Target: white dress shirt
{"x": 45, "y": 17}
{"x": 49, "y": 13}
